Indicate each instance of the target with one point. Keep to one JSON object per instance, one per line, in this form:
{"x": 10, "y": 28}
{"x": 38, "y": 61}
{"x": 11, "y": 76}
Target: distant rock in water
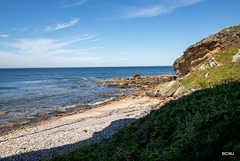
{"x": 196, "y": 54}
{"x": 136, "y": 75}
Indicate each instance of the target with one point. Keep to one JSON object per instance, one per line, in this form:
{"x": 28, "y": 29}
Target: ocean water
{"x": 32, "y": 95}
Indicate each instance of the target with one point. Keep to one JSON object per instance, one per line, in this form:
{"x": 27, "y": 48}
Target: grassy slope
{"x": 217, "y": 75}
{"x": 196, "y": 127}
{"x": 199, "y": 126}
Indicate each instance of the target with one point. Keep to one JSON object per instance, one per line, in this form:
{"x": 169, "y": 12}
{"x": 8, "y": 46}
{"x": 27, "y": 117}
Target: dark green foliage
{"x": 199, "y": 126}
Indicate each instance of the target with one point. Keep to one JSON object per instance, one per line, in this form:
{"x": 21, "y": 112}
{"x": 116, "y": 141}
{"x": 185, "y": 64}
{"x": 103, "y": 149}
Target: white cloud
{"x": 147, "y": 12}
{"x": 20, "y": 29}
{"x": 62, "y": 26}
{"x": 48, "y": 53}
{"x": 13, "y": 60}
{"x": 76, "y": 3}
{"x": 157, "y": 9}
{"x": 87, "y": 37}
{"x": 50, "y": 46}
{"x": 94, "y": 40}
{"x": 38, "y": 46}
{"x": 77, "y": 51}
{"x": 4, "y": 36}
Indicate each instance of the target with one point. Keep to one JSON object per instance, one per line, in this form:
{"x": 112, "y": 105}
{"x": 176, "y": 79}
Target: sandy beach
{"x": 66, "y": 133}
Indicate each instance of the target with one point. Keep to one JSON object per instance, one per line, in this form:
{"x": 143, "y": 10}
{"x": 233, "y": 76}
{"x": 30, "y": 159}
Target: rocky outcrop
{"x": 196, "y": 54}
{"x": 139, "y": 82}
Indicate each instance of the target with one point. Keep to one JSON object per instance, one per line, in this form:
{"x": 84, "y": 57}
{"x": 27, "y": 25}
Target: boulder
{"x": 236, "y": 57}
{"x": 136, "y": 75}
{"x": 213, "y": 63}
{"x": 179, "y": 91}
{"x": 202, "y": 67}
{"x": 168, "y": 90}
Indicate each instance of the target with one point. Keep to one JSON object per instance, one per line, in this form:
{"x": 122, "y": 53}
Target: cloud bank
{"x": 44, "y": 52}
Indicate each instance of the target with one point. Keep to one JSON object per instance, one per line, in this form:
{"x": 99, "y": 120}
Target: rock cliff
{"x": 196, "y": 54}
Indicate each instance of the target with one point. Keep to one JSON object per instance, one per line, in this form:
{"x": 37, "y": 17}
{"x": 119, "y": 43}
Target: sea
{"x": 31, "y": 95}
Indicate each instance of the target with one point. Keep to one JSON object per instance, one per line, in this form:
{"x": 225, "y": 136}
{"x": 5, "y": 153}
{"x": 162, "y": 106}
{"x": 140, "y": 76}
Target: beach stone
{"x": 168, "y": 90}
{"x": 236, "y": 57}
{"x": 151, "y": 94}
{"x": 72, "y": 112}
{"x": 81, "y": 110}
{"x": 122, "y": 90}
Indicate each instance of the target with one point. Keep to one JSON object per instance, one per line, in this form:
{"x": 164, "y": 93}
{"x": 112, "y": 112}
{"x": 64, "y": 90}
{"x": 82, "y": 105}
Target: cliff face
{"x": 196, "y": 54}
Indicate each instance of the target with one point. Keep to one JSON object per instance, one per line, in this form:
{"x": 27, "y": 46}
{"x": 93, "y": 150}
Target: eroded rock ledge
{"x": 161, "y": 87}
{"x": 196, "y": 54}
{"x": 138, "y": 81}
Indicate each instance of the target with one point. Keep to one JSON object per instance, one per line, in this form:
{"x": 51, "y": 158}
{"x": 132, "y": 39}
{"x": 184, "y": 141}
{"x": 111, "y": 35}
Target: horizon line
{"x": 86, "y": 67}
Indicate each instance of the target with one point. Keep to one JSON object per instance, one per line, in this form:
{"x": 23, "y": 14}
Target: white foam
{"x": 101, "y": 102}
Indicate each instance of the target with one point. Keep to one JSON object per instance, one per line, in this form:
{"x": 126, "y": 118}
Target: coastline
{"x": 137, "y": 86}
{"x": 33, "y": 95}
{"x": 63, "y": 133}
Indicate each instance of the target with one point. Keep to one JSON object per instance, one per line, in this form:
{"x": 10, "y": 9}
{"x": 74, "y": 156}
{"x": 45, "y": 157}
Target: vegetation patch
{"x": 216, "y": 75}
{"x": 199, "y": 126}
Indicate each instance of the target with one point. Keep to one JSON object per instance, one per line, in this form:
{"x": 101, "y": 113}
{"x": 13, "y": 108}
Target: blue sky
{"x": 90, "y": 33}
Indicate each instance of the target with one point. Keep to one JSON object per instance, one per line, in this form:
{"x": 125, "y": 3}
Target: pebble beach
{"x": 66, "y": 133}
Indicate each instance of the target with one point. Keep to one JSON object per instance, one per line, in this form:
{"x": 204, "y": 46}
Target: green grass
{"x": 199, "y": 126}
{"x": 217, "y": 75}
